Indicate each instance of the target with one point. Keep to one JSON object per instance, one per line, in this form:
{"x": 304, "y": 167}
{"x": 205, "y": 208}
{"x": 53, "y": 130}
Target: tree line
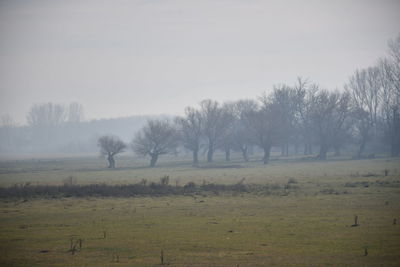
{"x": 58, "y": 128}
{"x": 366, "y": 111}
{"x": 365, "y": 114}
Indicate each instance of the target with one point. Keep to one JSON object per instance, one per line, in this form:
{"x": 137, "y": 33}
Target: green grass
{"x": 308, "y": 226}
{"x": 129, "y": 170}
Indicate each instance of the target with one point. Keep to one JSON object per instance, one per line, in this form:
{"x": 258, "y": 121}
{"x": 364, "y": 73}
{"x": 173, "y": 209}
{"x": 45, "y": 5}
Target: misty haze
{"x": 200, "y": 133}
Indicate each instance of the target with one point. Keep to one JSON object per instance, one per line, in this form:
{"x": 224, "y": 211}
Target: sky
{"x": 144, "y": 57}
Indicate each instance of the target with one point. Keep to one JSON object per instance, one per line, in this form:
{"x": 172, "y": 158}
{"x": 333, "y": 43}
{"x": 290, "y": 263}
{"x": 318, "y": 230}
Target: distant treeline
{"x": 52, "y": 135}
{"x": 365, "y": 115}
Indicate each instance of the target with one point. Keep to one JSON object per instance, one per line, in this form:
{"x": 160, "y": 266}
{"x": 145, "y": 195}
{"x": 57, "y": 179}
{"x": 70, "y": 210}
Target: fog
{"x": 124, "y": 58}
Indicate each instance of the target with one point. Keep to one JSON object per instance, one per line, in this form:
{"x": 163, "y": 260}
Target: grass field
{"x": 306, "y": 224}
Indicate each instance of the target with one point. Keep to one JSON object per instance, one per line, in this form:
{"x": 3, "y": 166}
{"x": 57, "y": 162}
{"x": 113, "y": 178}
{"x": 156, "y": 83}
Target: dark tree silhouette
{"x": 190, "y": 130}
{"x": 156, "y": 138}
{"x": 390, "y": 80}
{"x": 265, "y": 126}
{"x": 110, "y": 146}
{"x": 214, "y": 125}
{"x": 241, "y": 135}
{"x": 364, "y": 89}
{"x": 329, "y": 111}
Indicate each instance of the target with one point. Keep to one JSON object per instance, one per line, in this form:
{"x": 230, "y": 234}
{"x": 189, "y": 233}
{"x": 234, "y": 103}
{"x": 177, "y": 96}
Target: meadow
{"x": 306, "y": 218}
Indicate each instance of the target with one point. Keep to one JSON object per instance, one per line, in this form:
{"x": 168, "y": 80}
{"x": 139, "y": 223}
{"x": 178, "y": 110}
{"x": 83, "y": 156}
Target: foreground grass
{"x": 247, "y": 230}
{"x": 305, "y": 224}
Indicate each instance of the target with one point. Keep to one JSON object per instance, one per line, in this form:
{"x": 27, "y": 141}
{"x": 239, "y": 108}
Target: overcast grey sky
{"x": 121, "y": 58}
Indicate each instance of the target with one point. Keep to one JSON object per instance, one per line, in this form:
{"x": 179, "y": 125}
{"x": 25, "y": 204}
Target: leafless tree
{"x": 306, "y": 92}
{"x": 328, "y": 112}
{"x": 364, "y": 89}
{"x": 156, "y": 138}
{"x": 7, "y": 121}
{"x": 288, "y": 99}
{"x": 47, "y": 114}
{"x": 215, "y": 125}
{"x": 390, "y": 81}
{"x": 7, "y": 132}
{"x": 75, "y": 113}
{"x": 226, "y": 143}
{"x": 50, "y": 114}
{"x": 110, "y": 146}
{"x": 265, "y": 127}
{"x": 241, "y": 135}
{"x": 190, "y": 131}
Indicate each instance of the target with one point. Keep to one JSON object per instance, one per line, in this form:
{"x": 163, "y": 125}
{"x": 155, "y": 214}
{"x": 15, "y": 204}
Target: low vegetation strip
{"x": 104, "y": 190}
{"x": 139, "y": 189}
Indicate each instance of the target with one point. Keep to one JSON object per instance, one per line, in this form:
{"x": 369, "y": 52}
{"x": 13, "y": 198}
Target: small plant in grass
{"x": 80, "y": 241}
{"x": 115, "y": 257}
{"x": 75, "y": 245}
{"x": 164, "y": 181}
{"x": 162, "y": 257}
{"x": 355, "y": 222}
{"x": 71, "y": 243}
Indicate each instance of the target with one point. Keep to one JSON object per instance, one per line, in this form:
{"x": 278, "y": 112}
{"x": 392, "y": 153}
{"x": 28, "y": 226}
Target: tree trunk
{"x": 210, "y": 153}
{"x": 267, "y": 152}
{"x": 244, "y": 154}
{"x": 361, "y": 149}
{"x": 111, "y": 161}
{"x": 195, "y": 157}
{"x": 285, "y": 150}
{"x": 296, "y": 148}
{"x": 153, "y": 160}
{"x": 322, "y": 152}
{"x": 227, "y": 154}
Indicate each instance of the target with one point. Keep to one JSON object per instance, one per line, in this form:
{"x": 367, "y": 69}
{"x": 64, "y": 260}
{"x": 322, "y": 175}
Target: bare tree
{"x": 215, "y": 125}
{"x": 306, "y": 93}
{"x": 288, "y": 100}
{"x": 364, "y": 89}
{"x": 226, "y": 142}
{"x": 328, "y": 111}
{"x": 7, "y": 132}
{"x": 190, "y": 130}
{"x": 156, "y": 138}
{"x": 75, "y": 113}
{"x": 241, "y": 135}
{"x": 390, "y": 81}
{"x": 110, "y": 146}
{"x": 7, "y": 121}
{"x": 45, "y": 121}
{"x": 47, "y": 114}
{"x": 265, "y": 127}
{"x": 361, "y": 128}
